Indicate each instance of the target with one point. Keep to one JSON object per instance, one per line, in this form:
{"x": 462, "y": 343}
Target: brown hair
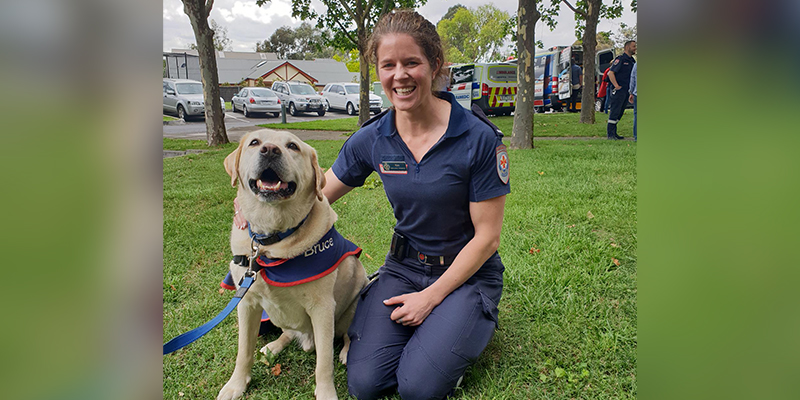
{"x": 411, "y": 23}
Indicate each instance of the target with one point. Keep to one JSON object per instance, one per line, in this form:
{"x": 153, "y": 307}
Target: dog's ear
{"x": 319, "y": 176}
{"x": 232, "y": 162}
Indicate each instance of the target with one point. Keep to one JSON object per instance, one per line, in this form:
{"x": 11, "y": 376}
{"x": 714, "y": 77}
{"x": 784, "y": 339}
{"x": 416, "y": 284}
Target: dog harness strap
{"x": 266, "y": 240}
{"x": 185, "y": 339}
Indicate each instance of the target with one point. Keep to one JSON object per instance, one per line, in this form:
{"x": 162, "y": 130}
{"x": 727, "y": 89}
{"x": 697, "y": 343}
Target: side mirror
{"x": 341, "y": 93}
{"x": 170, "y": 91}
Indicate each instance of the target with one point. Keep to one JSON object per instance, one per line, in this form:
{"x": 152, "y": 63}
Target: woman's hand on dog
{"x": 238, "y": 219}
{"x": 415, "y": 307}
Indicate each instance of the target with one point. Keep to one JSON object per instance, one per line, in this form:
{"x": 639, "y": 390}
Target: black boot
{"x": 612, "y": 132}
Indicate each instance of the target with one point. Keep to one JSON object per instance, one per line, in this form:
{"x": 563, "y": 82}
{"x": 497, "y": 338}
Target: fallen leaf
{"x": 368, "y": 256}
{"x": 276, "y": 370}
{"x": 344, "y": 202}
{"x": 172, "y": 286}
{"x": 571, "y": 226}
{"x": 589, "y": 215}
{"x": 533, "y": 250}
{"x": 616, "y": 262}
{"x": 614, "y": 245}
{"x": 180, "y": 394}
{"x": 221, "y": 291}
{"x": 540, "y": 172}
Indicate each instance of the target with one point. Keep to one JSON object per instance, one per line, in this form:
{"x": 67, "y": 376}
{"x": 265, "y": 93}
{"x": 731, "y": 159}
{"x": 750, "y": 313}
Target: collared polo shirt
{"x": 622, "y": 67}
{"x": 430, "y": 198}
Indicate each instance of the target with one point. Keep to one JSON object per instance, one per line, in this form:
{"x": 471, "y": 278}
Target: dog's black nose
{"x": 270, "y": 150}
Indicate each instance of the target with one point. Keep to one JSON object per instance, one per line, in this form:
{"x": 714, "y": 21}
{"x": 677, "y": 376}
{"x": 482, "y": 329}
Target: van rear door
{"x": 461, "y": 78}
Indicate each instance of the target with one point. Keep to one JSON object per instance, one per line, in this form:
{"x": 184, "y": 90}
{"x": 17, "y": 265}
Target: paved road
{"x": 237, "y": 125}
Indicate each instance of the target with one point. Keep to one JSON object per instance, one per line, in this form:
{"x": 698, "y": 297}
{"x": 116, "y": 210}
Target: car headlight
{"x": 196, "y": 103}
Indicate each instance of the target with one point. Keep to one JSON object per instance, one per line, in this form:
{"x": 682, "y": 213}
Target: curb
{"x": 176, "y": 122}
{"x": 178, "y": 153}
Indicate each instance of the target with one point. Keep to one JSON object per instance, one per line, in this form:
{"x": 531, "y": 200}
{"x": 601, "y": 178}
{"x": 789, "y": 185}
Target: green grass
{"x": 228, "y": 105}
{"x": 347, "y": 124}
{"x": 168, "y": 118}
{"x": 568, "y": 313}
{"x": 545, "y": 125}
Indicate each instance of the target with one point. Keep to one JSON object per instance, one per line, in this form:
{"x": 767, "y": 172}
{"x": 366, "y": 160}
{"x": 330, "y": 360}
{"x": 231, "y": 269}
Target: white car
{"x": 184, "y": 98}
{"x": 256, "y": 100}
{"x": 345, "y": 96}
{"x": 299, "y": 97}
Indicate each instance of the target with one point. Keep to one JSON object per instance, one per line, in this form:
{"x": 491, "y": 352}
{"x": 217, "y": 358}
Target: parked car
{"x": 184, "y": 98}
{"x": 299, "y": 97}
{"x": 256, "y": 100}
{"x": 345, "y": 96}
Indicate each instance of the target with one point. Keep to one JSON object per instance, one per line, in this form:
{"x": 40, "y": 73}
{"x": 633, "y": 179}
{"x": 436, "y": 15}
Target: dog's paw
{"x": 233, "y": 389}
{"x": 343, "y": 356}
{"x": 325, "y": 392}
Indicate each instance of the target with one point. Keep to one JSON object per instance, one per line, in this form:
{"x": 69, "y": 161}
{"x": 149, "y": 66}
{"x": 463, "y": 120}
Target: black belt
{"x": 401, "y": 249}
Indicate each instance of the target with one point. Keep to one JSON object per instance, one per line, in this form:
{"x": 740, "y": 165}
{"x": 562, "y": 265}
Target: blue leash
{"x": 185, "y": 339}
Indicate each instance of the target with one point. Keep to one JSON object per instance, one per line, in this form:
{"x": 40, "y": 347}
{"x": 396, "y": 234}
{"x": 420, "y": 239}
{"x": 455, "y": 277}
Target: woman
{"x": 433, "y": 308}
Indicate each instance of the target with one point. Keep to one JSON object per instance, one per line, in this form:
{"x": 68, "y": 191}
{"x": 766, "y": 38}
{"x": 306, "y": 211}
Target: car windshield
{"x": 189, "y": 88}
{"x": 302, "y": 89}
{"x": 351, "y": 89}
{"x": 262, "y": 93}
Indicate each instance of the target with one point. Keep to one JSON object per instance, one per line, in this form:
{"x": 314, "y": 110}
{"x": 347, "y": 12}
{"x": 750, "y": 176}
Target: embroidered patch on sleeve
{"x": 502, "y": 163}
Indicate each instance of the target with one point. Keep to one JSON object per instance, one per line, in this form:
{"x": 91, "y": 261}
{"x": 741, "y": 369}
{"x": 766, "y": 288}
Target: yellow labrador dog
{"x": 280, "y": 194}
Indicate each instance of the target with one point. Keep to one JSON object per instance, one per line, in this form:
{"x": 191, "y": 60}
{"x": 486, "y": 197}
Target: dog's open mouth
{"x": 270, "y": 186}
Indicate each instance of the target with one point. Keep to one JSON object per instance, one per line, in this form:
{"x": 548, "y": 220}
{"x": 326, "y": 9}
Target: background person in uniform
{"x": 632, "y": 98}
{"x": 433, "y": 308}
{"x": 619, "y": 76}
{"x": 576, "y": 77}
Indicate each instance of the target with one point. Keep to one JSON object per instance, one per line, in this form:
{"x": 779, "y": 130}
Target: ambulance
{"x": 492, "y": 86}
{"x": 552, "y": 88}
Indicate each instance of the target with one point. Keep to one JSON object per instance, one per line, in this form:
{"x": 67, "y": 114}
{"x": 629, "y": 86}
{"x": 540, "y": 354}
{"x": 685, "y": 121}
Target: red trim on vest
{"x": 263, "y": 273}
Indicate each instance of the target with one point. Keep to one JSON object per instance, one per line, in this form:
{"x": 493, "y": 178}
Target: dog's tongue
{"x": 272, "y": 186}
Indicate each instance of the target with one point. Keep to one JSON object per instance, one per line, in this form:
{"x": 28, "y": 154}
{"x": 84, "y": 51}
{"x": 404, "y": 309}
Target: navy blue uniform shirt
{"x": 622, "y": 67}
{"x": 575, "y": 77}
{"x": 431, "y": 198}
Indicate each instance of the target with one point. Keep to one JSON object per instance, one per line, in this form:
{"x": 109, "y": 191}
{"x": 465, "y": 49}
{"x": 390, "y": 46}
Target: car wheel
{"x": 321, "y": 113}
{"x": 233, "y": 107}
{"x": 244, "y": 111}
{"x": 350, "y": 109}
{"x": 292, "y": 110}
{"x": 276, "y": 114}
{"x": 181, "y": 112}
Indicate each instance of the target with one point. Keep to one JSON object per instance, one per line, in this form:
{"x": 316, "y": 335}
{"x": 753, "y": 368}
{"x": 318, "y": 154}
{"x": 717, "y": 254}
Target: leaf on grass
{"x": 571, "y": 226}
{"x": 368, "y": 256}
{"x": 614, "y": 245}
{"x": 533, "y": 250}
{"x": 172, "y": 286}
{"x": 180, "y": 394}
{"x": 589, "y": 215}
{"x": 616, "y": 262}
{"x": 276, "y": 370}
{"x": 221, "y": 290}
{"x": 560, "y": 372}
{"x": 540, "y": 172}
{"x": 543, "y": 378}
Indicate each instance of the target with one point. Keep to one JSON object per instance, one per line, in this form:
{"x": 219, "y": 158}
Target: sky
{"x": 248, "y": 23}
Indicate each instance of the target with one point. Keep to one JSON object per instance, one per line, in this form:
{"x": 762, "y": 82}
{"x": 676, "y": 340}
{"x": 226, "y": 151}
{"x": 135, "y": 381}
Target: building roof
{"x": 323, "y": 70}
{"x": 232, "y": 66}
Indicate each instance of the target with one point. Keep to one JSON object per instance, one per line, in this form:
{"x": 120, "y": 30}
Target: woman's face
{"x": 405, "y": 73}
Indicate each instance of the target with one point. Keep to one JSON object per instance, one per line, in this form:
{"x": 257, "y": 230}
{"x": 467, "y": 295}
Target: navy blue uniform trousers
{"x": 426, "y": 361}
{"x": 618, "y": 100}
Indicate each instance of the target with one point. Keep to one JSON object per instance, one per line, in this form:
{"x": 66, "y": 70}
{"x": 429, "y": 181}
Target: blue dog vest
{"x": 320, "y": 260}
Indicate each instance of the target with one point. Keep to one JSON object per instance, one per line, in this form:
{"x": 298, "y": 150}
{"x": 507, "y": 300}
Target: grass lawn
{"x": 168, "y": 118}
{"x": 568, "y": 313}
{"x": 544, "y": 125}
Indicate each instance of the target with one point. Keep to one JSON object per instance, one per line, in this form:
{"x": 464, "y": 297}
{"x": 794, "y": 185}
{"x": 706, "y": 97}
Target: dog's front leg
{"x": 249, "y": 314}
{"x": 322, "y": 321}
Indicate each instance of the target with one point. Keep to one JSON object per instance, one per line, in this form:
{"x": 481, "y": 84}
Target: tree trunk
{"x": 198, "y": 11}
{"x": 363, "y": 59}
{"x": 589, "y": 51}
{"x": 522, "y": 133}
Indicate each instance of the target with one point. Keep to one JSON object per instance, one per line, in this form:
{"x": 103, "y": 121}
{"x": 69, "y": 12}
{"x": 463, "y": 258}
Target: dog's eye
{"x": 292, "y": 146}
{"x": 254, "y": 142}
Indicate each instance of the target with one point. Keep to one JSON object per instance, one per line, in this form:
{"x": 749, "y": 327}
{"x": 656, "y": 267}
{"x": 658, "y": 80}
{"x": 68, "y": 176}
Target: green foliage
{"x": 581, "y": 8}
{"x": 476, "y": 35}
{"x": 303, "y": 43}
{"x": 624, "y": 33}
{"x": 353, "y": 62}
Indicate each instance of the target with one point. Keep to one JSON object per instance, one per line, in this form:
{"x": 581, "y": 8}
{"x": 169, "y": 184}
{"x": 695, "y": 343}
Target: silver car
{"x": 344, "y": 96}
{"x": 184, "y": 98}
{"x": 256, "y": 100}
{"x": 299, "y": 97}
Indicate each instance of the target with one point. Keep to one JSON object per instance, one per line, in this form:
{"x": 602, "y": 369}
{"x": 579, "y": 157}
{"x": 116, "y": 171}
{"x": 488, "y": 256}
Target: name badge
{"x": 393, "y": 165}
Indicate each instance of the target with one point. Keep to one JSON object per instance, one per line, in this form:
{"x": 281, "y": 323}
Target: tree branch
{"x": 209, "y": 4}
{"x": 576, "y": 11}
{"x": 345, "y": 32}
{"x": 347, "y": 8}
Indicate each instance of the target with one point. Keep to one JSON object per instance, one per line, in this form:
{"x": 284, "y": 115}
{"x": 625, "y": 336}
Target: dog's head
{"x": 275, "y": 166}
